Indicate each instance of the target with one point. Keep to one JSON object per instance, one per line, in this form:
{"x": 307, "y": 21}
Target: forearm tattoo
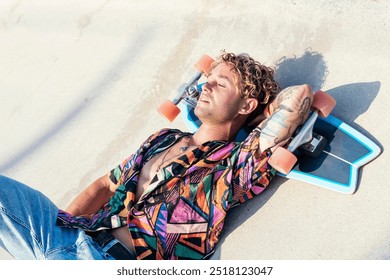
{"x": 288, "y": 110}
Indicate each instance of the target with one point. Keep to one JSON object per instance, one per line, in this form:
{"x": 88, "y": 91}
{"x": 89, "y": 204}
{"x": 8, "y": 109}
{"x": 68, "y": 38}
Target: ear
{"x": 249, "y": 105}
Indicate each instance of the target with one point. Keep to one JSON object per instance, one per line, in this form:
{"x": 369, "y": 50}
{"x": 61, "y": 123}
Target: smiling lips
{"x": 203, "y": 99}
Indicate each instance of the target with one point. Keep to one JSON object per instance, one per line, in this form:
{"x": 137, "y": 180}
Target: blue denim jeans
{"x": 28, "y": 228}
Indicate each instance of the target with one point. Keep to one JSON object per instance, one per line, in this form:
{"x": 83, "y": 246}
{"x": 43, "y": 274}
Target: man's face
{"x": 220, "y": 100}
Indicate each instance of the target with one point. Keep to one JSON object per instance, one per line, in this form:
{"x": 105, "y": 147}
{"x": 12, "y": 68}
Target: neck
{"x": 208, "y": 132}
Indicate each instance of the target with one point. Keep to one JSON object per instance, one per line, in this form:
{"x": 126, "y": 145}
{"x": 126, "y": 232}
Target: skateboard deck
{"x": 336, "y": 167}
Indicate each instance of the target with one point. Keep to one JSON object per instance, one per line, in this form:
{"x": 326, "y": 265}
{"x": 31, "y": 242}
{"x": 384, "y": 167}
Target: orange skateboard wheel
{"x": 282, "y": 160}
{"x": 204, "y": 64}
{"x": 169, "y": 110}
{"x": 324, "y": 103}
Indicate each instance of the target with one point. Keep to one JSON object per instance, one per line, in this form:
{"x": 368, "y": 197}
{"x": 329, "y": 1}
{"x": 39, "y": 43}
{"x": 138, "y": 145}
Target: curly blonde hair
{"x": 253, "y": 79}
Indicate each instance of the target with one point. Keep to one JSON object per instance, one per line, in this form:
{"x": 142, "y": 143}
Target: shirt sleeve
{"x": 113, "y": 213}
{"x": 125, "y": 175}
{"x": 252, "y": 173}
{"x": 122, "y": 172}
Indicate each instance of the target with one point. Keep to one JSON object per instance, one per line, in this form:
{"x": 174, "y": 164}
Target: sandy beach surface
{"x": 81, "y": 81}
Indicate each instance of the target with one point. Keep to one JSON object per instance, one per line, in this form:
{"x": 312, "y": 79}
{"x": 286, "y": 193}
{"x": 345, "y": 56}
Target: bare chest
{"x": 147, "y": 173}
{"x": 158, "y": 162}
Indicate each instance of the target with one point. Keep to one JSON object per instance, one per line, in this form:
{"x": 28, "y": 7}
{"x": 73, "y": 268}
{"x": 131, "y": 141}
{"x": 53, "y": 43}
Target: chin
{"x": 196, "y": 111}
{"x": 199, "y": 113}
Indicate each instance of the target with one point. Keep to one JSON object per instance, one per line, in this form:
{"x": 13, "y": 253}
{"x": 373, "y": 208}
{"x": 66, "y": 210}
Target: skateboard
{"x": 324, "y": 151}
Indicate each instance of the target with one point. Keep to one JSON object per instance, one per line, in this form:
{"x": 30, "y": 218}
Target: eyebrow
{"x": 225, "y": 78}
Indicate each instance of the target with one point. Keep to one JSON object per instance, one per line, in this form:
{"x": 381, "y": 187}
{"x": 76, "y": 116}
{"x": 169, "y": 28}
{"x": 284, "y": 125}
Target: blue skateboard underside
{"x": 337, "y": 167}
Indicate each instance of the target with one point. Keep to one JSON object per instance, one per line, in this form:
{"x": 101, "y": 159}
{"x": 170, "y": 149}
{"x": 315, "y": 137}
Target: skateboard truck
{"x": 315, "y": 146}
{"x": 306, "y": 140}
{"x": 283, "y": 158}
{"x": 188, "y": 92}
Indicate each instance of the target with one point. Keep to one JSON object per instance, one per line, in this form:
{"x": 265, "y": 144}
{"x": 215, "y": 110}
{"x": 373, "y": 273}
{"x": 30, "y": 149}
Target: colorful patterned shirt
{"x": 182, "y": 212}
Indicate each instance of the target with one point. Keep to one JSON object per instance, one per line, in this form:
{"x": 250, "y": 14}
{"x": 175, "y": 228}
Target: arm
{"x": 290, "y": 109}
{"x": 253, "y": 174}
{"x": 103, "y": 189}
{"x": 91, "y": 199}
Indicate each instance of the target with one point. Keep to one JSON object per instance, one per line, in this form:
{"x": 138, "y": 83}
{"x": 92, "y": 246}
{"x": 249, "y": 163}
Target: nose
{"x": 206, "y": 87}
